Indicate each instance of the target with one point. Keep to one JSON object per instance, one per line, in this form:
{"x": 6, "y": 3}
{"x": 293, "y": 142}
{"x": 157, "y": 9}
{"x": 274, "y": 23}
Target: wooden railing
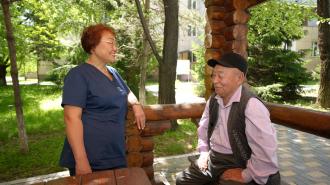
{"x": 140, "y": 145}
{"x": 310, "y": 121}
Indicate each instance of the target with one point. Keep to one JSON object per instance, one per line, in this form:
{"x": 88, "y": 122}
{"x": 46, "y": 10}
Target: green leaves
{"x": 272, "y": 28}
{"x": 275, "y": 22}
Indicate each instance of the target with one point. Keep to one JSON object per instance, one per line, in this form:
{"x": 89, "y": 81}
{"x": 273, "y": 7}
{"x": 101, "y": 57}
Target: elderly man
{"x": 236, "y": 140}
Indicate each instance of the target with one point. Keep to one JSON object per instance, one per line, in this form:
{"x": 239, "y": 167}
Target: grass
{"x": 181, "y": 141}
{"x": 44, "y": 126}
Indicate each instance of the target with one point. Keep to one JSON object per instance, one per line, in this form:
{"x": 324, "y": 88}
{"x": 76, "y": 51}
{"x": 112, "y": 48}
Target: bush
{"x": 269, "y": 93}
{"x": 57, "y": 75}
{"x": 198, "y": 69}
{"x": 280, "y": 66}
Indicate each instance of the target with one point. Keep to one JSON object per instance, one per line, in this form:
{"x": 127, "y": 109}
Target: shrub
{"x": 57, "y": 75}
{"x": 269, "y": 93}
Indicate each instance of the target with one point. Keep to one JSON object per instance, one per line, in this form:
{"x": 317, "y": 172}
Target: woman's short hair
{"x": 91, "y": 36}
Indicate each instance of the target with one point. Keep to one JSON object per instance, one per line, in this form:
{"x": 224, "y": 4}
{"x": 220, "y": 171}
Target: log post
{"x": 225, "y": 31}
{"x": 139, "y": 144}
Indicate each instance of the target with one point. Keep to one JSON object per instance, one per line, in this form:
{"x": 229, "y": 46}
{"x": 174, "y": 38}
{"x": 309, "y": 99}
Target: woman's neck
{"x": 97, "y": 63}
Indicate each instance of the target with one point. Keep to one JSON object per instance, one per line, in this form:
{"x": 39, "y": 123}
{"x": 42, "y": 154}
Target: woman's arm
{"x": 74, "y": 132}
{"x": 137, "y": 109}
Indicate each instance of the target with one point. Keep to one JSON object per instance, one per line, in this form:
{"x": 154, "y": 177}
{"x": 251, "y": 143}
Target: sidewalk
{"x": 184, "y": 92}
{"x": 304, "y": 159}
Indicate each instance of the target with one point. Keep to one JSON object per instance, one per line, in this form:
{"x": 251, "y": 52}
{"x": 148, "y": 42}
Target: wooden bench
{"x": 124, "y": 176}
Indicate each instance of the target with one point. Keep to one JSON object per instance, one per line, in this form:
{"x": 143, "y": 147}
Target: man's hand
{"x": 234, "y": 174}
{"x": 202, "y": 161}
{"x": 140, "y": 118}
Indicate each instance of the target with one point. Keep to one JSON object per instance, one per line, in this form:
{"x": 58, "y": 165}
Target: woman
{"x": 95, "y": 100}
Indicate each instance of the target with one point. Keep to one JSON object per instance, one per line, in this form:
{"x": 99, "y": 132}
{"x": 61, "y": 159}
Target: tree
{"x": 270, "y": 36}
{"x": 167, "y": 63}
{"x": 323, "y": 11}
{"x": 20, "y": 37}
{"x": 167, "y": 68}
{"x": 4, "y": 57}
{"x": 14, "y": 74}
{"x": 144, "y": 57}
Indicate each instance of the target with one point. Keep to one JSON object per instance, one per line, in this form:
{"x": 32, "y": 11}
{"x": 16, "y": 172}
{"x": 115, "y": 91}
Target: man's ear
{"x": 241, "y": 76}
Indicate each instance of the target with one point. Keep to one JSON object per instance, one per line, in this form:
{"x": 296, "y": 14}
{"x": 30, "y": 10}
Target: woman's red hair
{"x": 91, "y": 36}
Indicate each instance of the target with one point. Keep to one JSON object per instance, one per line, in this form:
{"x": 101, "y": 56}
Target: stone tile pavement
{"x": 304, "y": 160}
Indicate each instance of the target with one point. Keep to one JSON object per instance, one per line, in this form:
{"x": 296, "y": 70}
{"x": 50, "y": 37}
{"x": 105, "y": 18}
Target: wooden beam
{"x": 255, "y": 2}
{"x": 154, "y": 128}
{"x": 216, "y": 12}
{"x": 214, "y": 3}
{"x": 173, "y": 111}
{"x": 237, "y": 17}
{"x": 215, "y": 41}
{"x": 310, "y": 121}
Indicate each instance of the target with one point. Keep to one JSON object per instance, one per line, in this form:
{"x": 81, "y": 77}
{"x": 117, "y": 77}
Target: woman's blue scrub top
{"x": 104, "y": 107}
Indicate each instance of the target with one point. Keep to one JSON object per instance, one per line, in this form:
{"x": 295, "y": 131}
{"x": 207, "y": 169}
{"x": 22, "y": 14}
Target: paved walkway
{"x": 304, "y": 159}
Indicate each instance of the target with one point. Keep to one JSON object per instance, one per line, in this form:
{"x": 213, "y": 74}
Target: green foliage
{"x": 58, "y": 74}
{"x": 270, "y": 36}
{"x": 199, "y": 68}
{"x": 269, "y": 93}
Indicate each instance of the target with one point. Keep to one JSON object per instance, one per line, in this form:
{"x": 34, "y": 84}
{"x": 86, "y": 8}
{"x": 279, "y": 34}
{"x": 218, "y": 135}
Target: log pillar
{"x": 140, "y": 145}
{"x": 225, "y": 31}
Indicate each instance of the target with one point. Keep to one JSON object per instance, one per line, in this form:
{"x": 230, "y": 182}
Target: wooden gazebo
{"x": 226, "y": 30}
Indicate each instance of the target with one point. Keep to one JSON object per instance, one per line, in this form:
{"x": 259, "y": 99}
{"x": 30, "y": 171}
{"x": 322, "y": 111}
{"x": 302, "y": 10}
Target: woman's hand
{"x": 83, "y": 167}
{"x": 140, "y": 118}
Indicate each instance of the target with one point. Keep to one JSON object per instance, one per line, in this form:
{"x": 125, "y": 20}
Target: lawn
{"x": 45, "y": 129}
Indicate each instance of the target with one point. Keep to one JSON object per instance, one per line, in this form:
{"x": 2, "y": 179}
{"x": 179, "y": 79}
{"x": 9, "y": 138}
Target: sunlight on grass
{"x": 50, "y": 104}
{"x": 181, "y": 141}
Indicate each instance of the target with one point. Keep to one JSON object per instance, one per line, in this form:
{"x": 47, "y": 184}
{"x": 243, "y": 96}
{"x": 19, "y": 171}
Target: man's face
{"x": 226, "y": 80}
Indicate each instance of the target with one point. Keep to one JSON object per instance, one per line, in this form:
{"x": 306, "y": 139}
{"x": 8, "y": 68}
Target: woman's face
{"x": 106, "y": 49}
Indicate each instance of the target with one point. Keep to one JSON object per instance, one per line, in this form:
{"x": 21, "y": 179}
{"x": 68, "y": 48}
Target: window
{"x": 315, "y": 49}
{"x": 191, "y": 30}
{"x": 192, "y": 4}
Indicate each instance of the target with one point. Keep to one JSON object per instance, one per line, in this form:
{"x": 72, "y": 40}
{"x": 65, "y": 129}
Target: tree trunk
{"x": 167, "y": 64}
{"x": 144, "y": 58}
{"x": 14, "y": 75}
{"x": 323, "y": 10}
{"x": 3, "y": 73}
{"x": 167, "y": 68}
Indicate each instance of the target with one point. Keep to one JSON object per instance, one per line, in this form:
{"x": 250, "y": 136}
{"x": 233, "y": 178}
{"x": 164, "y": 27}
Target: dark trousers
{"x": 218, "y": 163}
